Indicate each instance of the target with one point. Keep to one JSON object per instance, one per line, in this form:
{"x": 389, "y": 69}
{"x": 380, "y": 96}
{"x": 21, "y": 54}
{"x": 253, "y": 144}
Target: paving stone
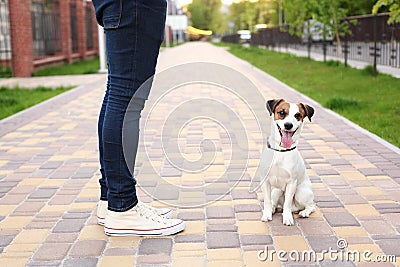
{"x": 35, "y": 224}
{"x": 54, "y": 263}
{"x": 339, "y": 161}
{"x": 371, "y": 171}
{"x": 5, "y": 240}
{"x": 326, "y": 172}
{"x": 76, "y": 215}
{"x": 170, "y": 172}
{"x": 329, "y": 204}
{"x": 43, "y": 193}
{"x": 150, "y": 246}
{"x": 8, "y": 184}
{"x": 256, "y": 240}
{"x": 12, "y": 199}
{"x": 331, "y": 263}
{"x": 191, "y": 238}
{"x": 217, "y": 212}
{"x": 53, "y": 251}
{"x": 222, "y": 240}
{"x": 62, "y": 199}
{"x": 243, "y": 194}
{"x": 51, "y": 165}
{"x": 217, "y": 190}
{"x": 335, "y": 181}
{"x": 352, "y": 199}
{"x": 4, "y": 189}
{"x": 191, "y": 216}
{"x": 340, "y": 219}
{"x": 221, "y": 228}
{"x": 153, "y": 260}
{"x": 87, "y": 262}
{"x": 23, "y": 189}
{"x": 166, "y": 193}
{"x": 278, "y": 230}
{"x": 28, "y": 208}
{"x": 387, "y": 207}
{"x": 319, "y": 243}
{"x": 315, "y": 226}
{"x": 62, "y": 238}
{"x": 69, "y": 225}
{"x": 390, "y": 246}
{"x": 249, "y": 216}
{"x": 88, "y": 248}
{"x": 376, "y": 227}
{"x": 247, "y": 208}
{"x": 120, "y": 252}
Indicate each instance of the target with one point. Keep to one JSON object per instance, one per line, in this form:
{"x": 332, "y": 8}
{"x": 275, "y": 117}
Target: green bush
{"x": 333, "y": 63}
{"x": 338, "y": 103}
{"x": 369, "y": 71}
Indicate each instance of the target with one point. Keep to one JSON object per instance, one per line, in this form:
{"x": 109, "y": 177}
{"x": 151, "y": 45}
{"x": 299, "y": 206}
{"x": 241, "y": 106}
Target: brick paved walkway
{"x": 49, "y": 189}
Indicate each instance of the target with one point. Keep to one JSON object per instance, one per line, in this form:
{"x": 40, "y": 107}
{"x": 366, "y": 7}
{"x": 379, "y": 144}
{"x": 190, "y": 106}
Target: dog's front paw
{"x": 304, "y": 213}
{"x": 287, "y": 218}
{"x": 267, "y": 216}
{"x": 273, "y": 209}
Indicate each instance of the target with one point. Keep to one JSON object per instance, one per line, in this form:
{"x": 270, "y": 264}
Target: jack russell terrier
{"x": 284, "y": 180}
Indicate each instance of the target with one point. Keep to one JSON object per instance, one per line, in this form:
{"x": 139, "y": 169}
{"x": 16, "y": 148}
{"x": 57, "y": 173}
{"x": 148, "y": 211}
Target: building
{"x": 177, "y": 22}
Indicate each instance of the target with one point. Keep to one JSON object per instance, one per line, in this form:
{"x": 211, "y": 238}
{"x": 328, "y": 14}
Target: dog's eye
{"x": 282, "y": 113}
{"x": 297, "y": 116}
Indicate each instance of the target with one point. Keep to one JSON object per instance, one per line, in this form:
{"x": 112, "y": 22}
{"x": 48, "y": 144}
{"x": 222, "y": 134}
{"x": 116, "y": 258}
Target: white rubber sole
{"x": 168, "y": 215}
{"x": 101, "y": 221}
{"x": 174, "y": 229}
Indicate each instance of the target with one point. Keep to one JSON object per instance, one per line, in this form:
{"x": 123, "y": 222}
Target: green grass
{"x": 5, "y": 72}
{"x": 80, "y": 67}
{"x": 13, "y": 100}
{"x": 371, "y": 102}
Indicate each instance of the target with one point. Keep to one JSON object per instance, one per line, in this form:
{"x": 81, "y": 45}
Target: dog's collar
{"x": 280, "y": 150}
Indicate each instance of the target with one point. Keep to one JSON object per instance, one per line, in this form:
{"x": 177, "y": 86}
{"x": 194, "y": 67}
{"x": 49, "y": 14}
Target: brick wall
{"x": 21, "y": 37}
{"x": 23, "y": 58}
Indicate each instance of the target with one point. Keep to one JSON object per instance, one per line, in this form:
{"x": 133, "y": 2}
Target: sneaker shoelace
{"x": 150, "y": 213}
{"x": 150, "y": 207}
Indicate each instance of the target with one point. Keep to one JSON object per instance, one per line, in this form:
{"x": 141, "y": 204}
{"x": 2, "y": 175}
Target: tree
{"x": 355, "y": 8}
{"x": 331, "y": 13}
{"x": 245, "y": 14}
{"x": 394, "y": 8}
{"x": 206, "y": 14}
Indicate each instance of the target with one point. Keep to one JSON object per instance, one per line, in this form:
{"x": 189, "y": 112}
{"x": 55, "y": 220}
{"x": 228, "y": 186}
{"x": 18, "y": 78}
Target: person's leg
{"x": 134, "y": 33}
{"x": 102, "y": 180}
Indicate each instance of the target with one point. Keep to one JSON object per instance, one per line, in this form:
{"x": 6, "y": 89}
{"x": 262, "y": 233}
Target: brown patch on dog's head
{"x": 278, "y": 107}
{"x": 305, "y": 111}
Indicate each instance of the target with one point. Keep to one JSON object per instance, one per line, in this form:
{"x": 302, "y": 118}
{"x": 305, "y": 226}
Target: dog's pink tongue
{"x": 287, "y": 140}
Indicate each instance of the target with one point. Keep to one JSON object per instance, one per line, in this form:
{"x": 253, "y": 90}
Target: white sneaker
{"x": 141, "y": 220}
{"x": 102, "y": 209}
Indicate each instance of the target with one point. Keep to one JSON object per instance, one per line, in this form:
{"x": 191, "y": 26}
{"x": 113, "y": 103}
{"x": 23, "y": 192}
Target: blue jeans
{"x": 134, "y": 32}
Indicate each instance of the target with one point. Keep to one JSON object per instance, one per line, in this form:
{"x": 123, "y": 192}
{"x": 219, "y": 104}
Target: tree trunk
{"x": 339, "y": 43}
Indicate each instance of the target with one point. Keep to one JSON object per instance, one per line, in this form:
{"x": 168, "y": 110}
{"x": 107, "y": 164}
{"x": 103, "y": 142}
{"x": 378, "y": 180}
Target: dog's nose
{"x": 288, "y": 126}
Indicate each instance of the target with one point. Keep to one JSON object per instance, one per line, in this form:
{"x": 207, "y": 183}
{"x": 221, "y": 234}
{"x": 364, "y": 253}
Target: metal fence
{"x": 89, "y": 14}
{"x": 5, "y": 40}
{"x": 46, "y": 31}
{"x": 371, "y": 40}
{"x": 74, "y": 28}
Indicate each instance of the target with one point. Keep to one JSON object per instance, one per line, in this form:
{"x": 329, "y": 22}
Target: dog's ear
{"x": 272, "y": 104}
{"x": 308, "y": 109}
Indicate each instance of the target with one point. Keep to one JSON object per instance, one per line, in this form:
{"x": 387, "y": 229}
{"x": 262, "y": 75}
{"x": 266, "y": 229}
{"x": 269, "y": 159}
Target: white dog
{"x": 285, "y": 182}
